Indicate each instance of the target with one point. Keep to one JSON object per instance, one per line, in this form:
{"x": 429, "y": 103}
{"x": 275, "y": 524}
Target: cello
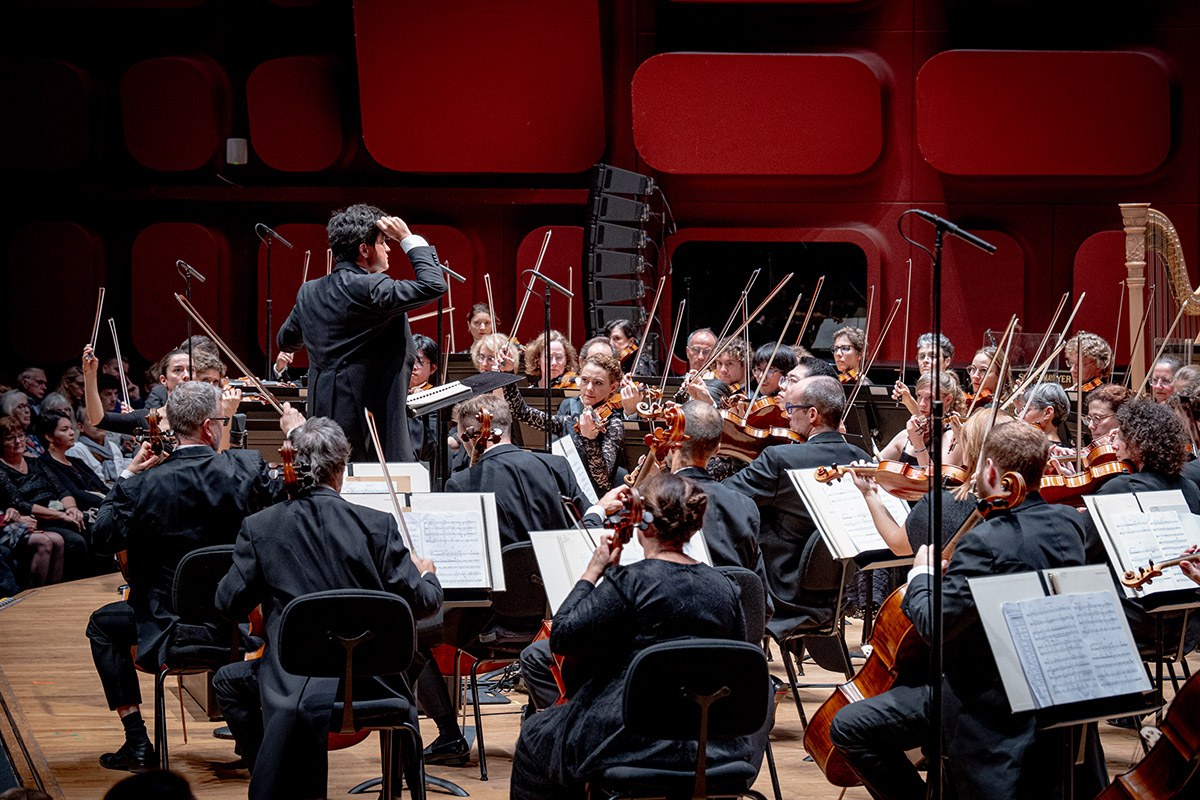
{"x": 896, "y": 646}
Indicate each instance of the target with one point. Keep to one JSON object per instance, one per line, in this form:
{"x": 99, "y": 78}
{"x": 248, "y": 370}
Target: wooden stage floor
{"x": 55, "y": 703}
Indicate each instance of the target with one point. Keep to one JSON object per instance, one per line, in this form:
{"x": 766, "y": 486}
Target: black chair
{"x": 754, "y": 611}
{"x": 693, "y": 689}
{"x": 823, "y": 581}
{"x": 524, "y": 597}
{"x": 193, "y": 597}
{"x": 352, "y": 635}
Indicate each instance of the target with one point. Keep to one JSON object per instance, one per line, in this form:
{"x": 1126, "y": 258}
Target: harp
{"x": 1154, "y": 255}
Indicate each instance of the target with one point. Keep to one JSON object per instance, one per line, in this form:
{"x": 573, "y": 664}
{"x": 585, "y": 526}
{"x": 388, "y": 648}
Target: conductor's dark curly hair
{"x": 351, "y": 227}
{"x": 677, "y": 505}
{"x": 1153, "y": 432}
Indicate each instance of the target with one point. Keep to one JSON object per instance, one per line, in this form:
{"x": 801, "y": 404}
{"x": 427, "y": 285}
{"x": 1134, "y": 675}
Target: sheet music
{"x": 483, "y": 551}
{"x": 417, "y": 474}
{"x": 1074, "y": 647}
{"x": 454, "y": 540}
{"x": 1152, "y": 537}
{"x": 841, "y": 513}
{"x": 565, "y": 447}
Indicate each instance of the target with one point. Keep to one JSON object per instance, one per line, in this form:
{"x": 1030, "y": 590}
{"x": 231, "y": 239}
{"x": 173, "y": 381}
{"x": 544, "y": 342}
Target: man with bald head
{"x": 788, "y": 534}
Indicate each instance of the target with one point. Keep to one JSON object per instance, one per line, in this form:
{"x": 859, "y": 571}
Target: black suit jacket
{"x": 528, "y": 487}
{"x": 354, "y": 326}
{"x": 994, "y": 748}
{"x": 196, "y": 498}
{"x": 787, "y": 527}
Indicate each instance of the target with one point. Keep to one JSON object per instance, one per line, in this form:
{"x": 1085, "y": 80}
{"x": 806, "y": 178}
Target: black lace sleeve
{"x": 599, "y": 455}
{"x": 532, "y": 416}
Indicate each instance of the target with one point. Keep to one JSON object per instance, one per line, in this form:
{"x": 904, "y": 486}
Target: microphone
{"x": 549, "y": 282}
{"x": 446, "y": 269}
{"x": 261, "y": 229}
{"x": 952, "y": 229}
{"x": 188, "y": 271}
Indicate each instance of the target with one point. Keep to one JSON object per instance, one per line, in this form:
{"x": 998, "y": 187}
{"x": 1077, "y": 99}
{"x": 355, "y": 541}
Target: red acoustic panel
{"x": 1099, "y": 270}
{"x": 54, "y": 272}
{"x": 456, "y": 250}
{"x": 175, "y": 112}
{"x": 1043, "y": 113}
{"x": 295, "y": 118}
{"x": 749, "y": 114}
{"x": 159, "y": 322}
{"x": 479, "y": 86}
{"x": 561, "y": 264}
{"x": 979, "y": 291}
{"x": 53, "y": 130}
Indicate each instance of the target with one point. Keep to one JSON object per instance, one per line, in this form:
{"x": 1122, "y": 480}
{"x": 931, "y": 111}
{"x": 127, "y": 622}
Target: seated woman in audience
{"x": 30, "y": 553}
{"x": 71, "y": 475}
{"x": 911, "y": 445}
{"x": 1162, "y": 378}
{"x": 598, "y": 431}
{"x": 564, "y": 364}
{"x": 71, "y": 386}
{"x": 33, "y": 494}
{"x": 603, "y": 625}
{"x": 16, "y": 404}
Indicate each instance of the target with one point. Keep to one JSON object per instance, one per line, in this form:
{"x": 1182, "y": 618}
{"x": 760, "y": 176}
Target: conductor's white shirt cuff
{"x": 411, "y": 241}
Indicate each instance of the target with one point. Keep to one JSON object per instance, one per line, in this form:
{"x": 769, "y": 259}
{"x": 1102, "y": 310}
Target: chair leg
{"x": 412, "y": 763}
{"x": 1174, "y": 677}
{"x": 387, "y": 759}
{"x": 160, "y": 718}
{"x": 771, "y": 768}
{"x": 478, "y": 720}
{"x": 786, "y": 655}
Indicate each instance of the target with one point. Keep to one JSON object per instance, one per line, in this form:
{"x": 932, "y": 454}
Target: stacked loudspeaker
{"x": 619, "y": 274}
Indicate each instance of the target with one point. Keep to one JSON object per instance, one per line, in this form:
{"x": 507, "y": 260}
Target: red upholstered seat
{"x": 175, "y": 112}
{"x": 295, "y": 114}
{"x": 159, "y": 323}
{"x": 54, "y": 127}
{"x": 54, "y": 272}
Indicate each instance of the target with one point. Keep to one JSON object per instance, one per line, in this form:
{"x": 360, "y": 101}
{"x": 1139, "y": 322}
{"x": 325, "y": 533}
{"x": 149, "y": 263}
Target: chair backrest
{"x": 346, "y": 631}
{"x": 524, "y": 593}
{"x": 194, "y": 591}
{"x": 664, "y": 678}
{"x": 819, "y": 572}
{"x": 754, "y": 601}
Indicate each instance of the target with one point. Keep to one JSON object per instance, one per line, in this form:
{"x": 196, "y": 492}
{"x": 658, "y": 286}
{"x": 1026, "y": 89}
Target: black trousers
{"x": 113, "y": 633}
{"x": 236, "y": 688}
{"x": 536, "y": 663}
{"x": 873, "y": 735}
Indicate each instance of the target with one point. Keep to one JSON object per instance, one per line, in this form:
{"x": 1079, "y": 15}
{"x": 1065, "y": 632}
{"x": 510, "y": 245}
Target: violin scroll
{"x": 1012, "y": 494}
{"x": 629, "y": 517}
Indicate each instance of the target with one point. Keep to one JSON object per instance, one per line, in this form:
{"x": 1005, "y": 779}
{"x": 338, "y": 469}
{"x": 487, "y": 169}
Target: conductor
{"x": 354, "y": 325}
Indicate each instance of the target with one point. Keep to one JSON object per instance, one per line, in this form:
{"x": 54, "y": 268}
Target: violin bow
{"x": 1167, "y": 339}
{"x": 722, "y": 342}
{"x": 450, "y": 303}
{"x": 874, "y": 354}
{"x": 787, "y": 321}
{"x": 537, "y": 268}
{"x": 747, "y": 356}
{"x": 112, "y": 327}
{"x": 1035, "y": 375}
{"x": 1004, "y": 342}
{"x": 304, "y": 275}
{"x": 867, "y": 323}
{"x": 719, "y": 349}
{"x": 649, "y": 321}
{"x": 96, "y": 324}
{"x": 1117, "y": 333}
{"x": 1141, "y": 329}
{"x": 1049, "y": 330}
{"x": 662, "y": 387}
{"x": 388, "y": 478}
{"x": 570, "y": 305}
{"x": 907, "y": 308}
{"x": 328, "y": 261}
{"x": 224, "y": 348}
{"x": 812, "y": 304}
{"x": 1079, "y": 406}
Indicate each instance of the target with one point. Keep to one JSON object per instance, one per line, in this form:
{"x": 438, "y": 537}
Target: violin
{"x": 743, "y": 441}
{"x": 901, "y": 480}
{"x": 602, "y": 411}
{"x": 896, "y": 649}
{"x": 1136, "y": 579}
{"x": 849, "y": 376}
{"x": 1070, "y": 489}
{"x": 627, "y": 351}
{"x": 659, "y": 442}
{"x": 564, "y": 381}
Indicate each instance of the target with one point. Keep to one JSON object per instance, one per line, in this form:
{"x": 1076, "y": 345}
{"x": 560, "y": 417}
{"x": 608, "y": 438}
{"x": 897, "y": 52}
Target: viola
{"x": 482, "y": 436}
{"x": 1071, "y": 489}
{"x": 288, "y": 455}
{"x": 629, "y": 517}
{"x": 896, "y": 649}
{"x": 1137, "y": 578}
{"x": 161, "y": 444}
{"x": 659, "y": 441}
{"x": 742, "y": 441}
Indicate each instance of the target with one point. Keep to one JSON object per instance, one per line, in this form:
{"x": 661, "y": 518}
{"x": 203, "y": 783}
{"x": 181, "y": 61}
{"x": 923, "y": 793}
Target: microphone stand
{"x": 550, "y": 284}
{"x": 267, "y": 374}
{"x": 187, "y": 291}
{"x": 440, "y": 466}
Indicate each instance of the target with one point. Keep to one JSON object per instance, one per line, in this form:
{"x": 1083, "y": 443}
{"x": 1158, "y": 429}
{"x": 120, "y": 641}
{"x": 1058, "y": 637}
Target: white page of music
{"x": 565, "y": 447}
{"x": 460, "y": 532}
{"x": 841, "y": 511}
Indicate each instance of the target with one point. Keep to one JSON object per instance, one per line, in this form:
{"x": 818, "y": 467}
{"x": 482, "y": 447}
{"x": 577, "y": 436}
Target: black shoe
{"x": 451, "y": 751}
{"x": 135, "y": 756}
{"x": 223, "y": 732}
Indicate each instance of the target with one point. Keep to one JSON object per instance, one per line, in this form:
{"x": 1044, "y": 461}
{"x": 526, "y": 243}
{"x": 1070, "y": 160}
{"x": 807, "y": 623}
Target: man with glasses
{"x": 158, "y": 512}
{"x": 700, "y": 346}
{"x": 354, "y": 324}
{"x": 815, "y": 406}
{"x": 32, "y": 381}
{"x": 770, "y": 367}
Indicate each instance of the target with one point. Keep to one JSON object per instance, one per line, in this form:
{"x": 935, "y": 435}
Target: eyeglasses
{"x": 790, "y": 407}
{"x": 974, "y": 370}
{"x": 844, "y": 348}
{"x": 14, "y": 437}
{"x": 1162, "y": 382}
{"x": 1096, "y": 419}
{"x": 759, "y": 372}
{"x": 222, "y": 420}
{"x": 698, "y": 351}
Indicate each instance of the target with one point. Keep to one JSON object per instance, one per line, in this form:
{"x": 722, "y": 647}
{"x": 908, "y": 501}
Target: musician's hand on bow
{"x": 393, "y": 228}
{"x": 917, "y": 427}
{"x": 630, "y": 396}
{"x": 607, "y": 554}
{"x": 290, "y": 420}
{"x": 90, "y": 363}
{"x": 900, "y": 391}
{"x": 1191, "y": 568}
{"x": 589, "y": 427}
{"x": 697, "y": 389}
{"x": 144, "y": 459}
{"x": 423, "y": 565}
{"x": 124, "y": 407}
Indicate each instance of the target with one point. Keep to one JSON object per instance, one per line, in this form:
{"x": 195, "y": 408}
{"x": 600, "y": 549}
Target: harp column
{"x": 1134, "y": 216}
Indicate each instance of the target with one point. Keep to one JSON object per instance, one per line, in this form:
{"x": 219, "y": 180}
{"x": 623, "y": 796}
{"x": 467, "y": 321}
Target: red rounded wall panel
{"x": 479, "y": 86}
{"x": 175, "y": 112}
{"x": 295, "y": 119}
{"x": 1099, "y": 270}
{"x": 973, "y": 300}
{"x": 1043, "y": 113}
{"x": 749, "y": 114}
{"x": 54, "y": 271}
{"x": 159, "y": 322}
{"x": 53, "y": 129}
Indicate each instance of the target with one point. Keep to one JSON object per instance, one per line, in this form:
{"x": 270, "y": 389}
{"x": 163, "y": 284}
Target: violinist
{"x": 600, "y": 437}
{"x": 1103, "y": 403}
{"x": 1151, "y": 439}
{"x": 573, "y": 406}
{"x": 1186, "y": 404}
{"x": 479, "y": 322}
{"x": 1162, "y": 378}
{"x": 730, "y": 368}
{"x": 422, "y": 430}
{"x": 1094, "y": 358}
{"x": 668, "y": 595}
{"x": 848, "y": 345}
{"x": 624, "y": 337}
{"x": 911, "y": 445}
{"x": 926, "y": 349}
{"x": 815, "y": 406}
{"x": 984, "y": 373}
{"x": 1045, "y": 406}
{"x": 563, "y": 366}
{"x": 700, "y": 345}
{"x": 766, "y": 378}
{"x": 494, "y": 353}
{"x": 174, "y": 370}
{"x": 990, "y": 751}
